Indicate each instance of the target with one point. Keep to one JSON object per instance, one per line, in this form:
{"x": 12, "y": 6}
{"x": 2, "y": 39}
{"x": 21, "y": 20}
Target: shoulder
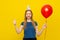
{"x": 36, "y": 23}
{"x": 22, "y": 23}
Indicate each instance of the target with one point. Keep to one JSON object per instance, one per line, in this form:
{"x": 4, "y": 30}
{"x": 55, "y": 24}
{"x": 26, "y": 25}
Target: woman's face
{"x": 28, "y": 15}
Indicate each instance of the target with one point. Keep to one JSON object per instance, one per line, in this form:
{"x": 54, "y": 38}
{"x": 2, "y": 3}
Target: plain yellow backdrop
{"x": 15, "y": 9}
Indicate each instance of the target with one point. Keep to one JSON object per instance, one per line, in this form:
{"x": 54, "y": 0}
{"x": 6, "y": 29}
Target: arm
{"x": 42, "y": 29}
{"x": 18, "y": 30}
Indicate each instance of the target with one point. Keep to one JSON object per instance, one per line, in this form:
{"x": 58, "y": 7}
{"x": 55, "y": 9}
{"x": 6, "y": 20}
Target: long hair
{"x": 25, "y": 20}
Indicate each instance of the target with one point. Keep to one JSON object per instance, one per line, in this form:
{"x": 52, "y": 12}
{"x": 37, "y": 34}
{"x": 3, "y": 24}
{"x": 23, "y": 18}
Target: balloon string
{"x": 45, "y": 31}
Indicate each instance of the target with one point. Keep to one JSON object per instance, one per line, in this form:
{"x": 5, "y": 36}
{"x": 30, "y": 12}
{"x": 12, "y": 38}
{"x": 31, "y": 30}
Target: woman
{"x": 30, "y": 27}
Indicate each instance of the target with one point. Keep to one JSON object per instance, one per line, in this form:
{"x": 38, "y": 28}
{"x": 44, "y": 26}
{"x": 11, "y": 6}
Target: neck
{"x": 28, "y": 20}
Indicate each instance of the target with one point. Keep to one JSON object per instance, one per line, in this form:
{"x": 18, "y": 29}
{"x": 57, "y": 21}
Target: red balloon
{"x": 46, "y": 11}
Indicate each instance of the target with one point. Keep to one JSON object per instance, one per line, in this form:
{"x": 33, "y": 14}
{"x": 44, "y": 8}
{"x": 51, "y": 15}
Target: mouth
{"x": 28, "y": 16}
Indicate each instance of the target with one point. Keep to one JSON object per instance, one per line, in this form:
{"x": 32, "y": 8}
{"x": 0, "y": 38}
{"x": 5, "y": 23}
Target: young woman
{"x": 30, "y": 27}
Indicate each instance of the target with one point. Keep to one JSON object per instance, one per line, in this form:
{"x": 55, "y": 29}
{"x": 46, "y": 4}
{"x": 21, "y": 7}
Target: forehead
{"x": 28, "y": 12}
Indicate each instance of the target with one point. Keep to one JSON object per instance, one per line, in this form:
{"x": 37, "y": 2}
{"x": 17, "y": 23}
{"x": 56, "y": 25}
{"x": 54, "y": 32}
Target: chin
{"x": 28, "y": 17}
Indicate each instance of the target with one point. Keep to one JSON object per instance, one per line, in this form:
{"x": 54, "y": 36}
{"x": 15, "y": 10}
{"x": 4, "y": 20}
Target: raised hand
{"x": 44, "y": 26}
{"x": 14, "y": 22}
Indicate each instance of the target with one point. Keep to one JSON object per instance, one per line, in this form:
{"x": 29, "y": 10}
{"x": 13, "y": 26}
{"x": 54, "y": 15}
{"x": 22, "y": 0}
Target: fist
{"x": 44, "y": 26}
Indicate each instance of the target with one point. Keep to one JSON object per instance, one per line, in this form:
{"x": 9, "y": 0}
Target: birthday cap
{"x": 28, "y": 8}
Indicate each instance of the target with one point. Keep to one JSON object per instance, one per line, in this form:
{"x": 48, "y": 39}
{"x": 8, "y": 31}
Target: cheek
{"x": 30, "y": 15}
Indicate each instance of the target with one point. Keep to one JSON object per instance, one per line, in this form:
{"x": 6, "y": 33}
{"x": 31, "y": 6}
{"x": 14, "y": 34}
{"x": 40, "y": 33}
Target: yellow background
{"x": 15, "y": 9}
